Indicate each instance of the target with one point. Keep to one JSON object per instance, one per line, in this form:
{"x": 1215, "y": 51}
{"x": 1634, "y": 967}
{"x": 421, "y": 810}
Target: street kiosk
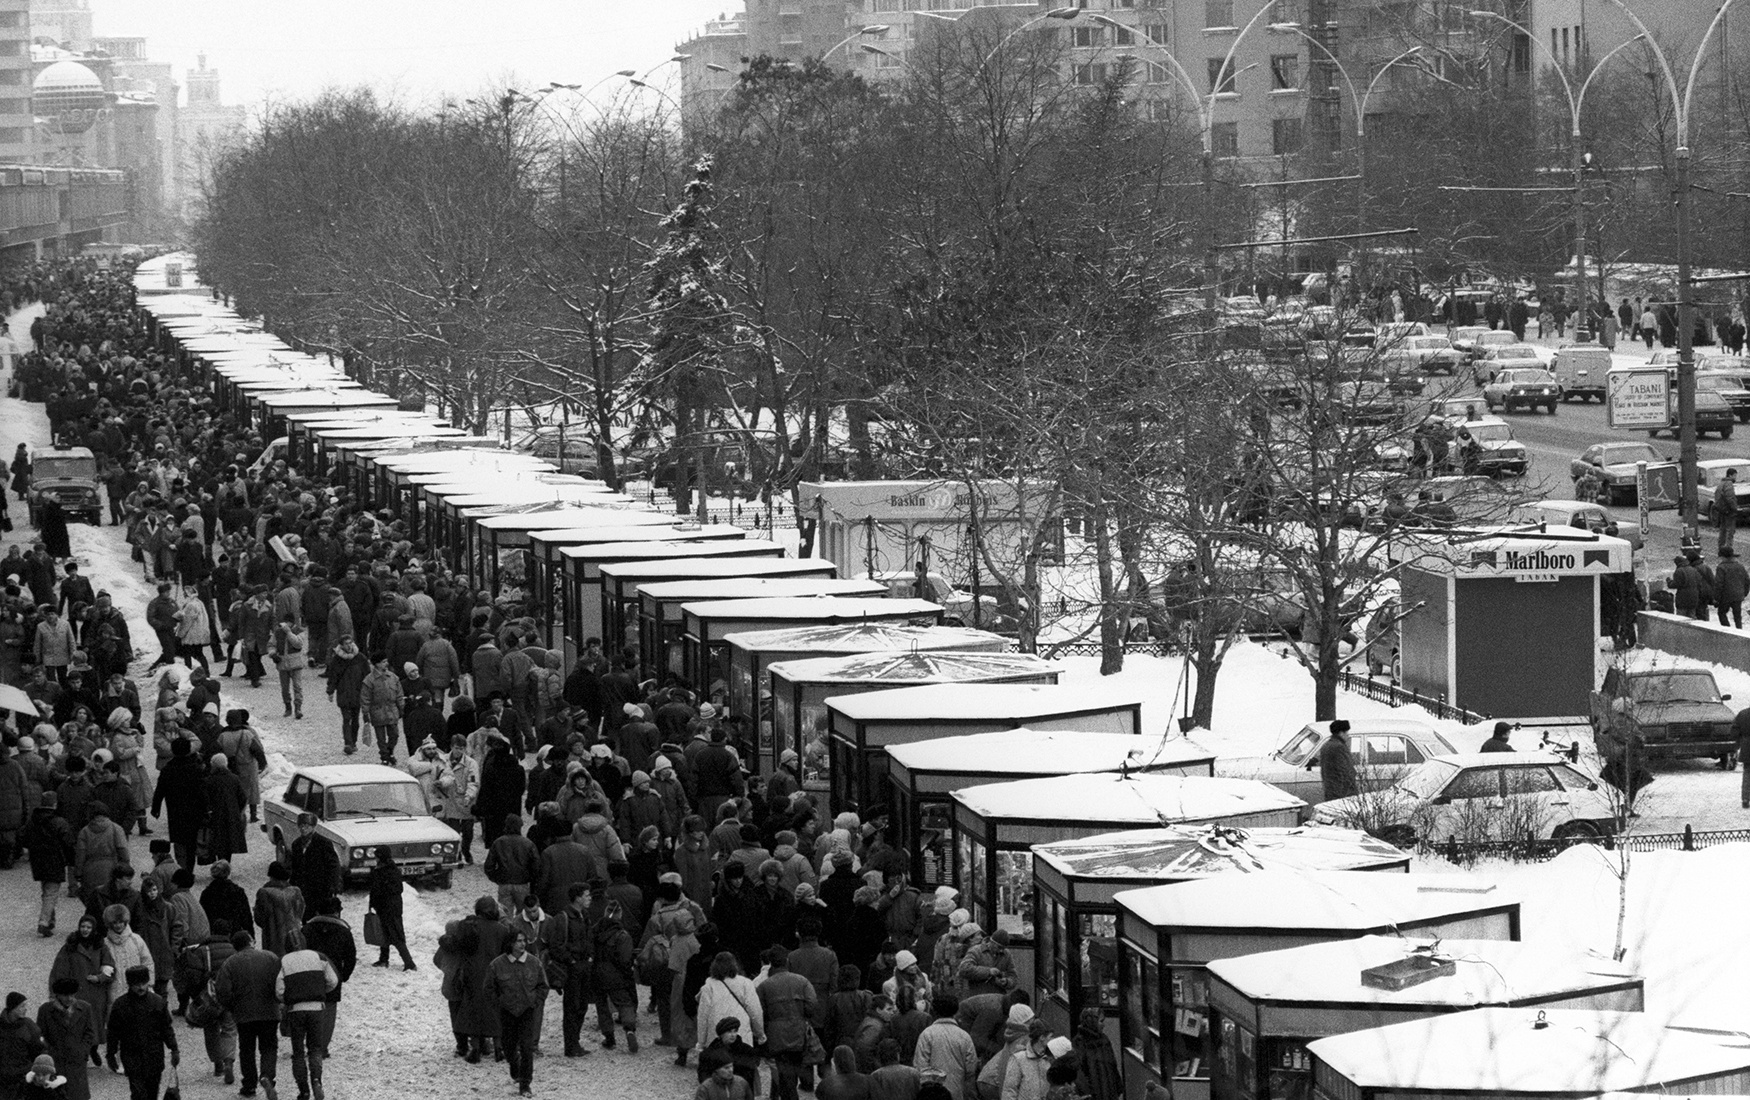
{"x": 581, "y": 576}
{"x": 1508, "y": 624}
{"x": 1529, "y": 1054}
{"x": 1264, "y": 1009}
{"x": 851, "y": 769}
{"x": 659, "y": 608}
{"x": 753, "y": 652}
{"x": 546, "y": 566}
{"x": 1168, "y": 935}
{"x": 498, "y": 547}
{"x": 922, "y": 775}
{"x": 1077, "y": 882}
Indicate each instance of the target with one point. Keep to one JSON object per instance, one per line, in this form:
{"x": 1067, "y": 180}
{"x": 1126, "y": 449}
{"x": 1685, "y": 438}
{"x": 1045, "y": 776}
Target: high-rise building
{"x": 63, "y": 23}
{"x": 206, "y": 125}
{"x": 136, "y": 79}
{"x": 15, "y": 74}
{"x": 711, "y": 60}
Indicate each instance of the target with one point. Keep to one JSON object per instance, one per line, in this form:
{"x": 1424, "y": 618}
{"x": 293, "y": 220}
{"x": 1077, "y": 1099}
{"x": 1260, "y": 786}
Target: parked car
{"x": 1662, "y": 713}
{"x": 1579, "y": 514}
{"x": 1394, "y": 334}
{"x": 1580, "y": 371}
{"x": 1613, "y": 464}
{"x": 359, "y": 807}
{"x": 1384, "y": 750}
{"x": 1734, "y": 386}
{"x": 1369, "y": 402}
{"x": 1709, "y": 473}
{"x": 1498, "y": 453}
{"x": 1528, "y": 388}
{"x": 1712, "y": 414}
{"x": 1473, "y": 340}
{"x": 1502, "y": 357}
{"x": 1427, "y": 354}
{"x": 1480, "y": 796}
{"x": 68, "y": 476}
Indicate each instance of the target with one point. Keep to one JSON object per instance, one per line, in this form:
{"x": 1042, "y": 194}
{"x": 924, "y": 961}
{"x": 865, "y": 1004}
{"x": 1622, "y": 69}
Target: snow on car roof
{"x": 854, "y": 637}
{"x": 1348, "y": 900}
{"x": 1025, "y": 752}
{"x": 1017, "y": 702}
{"x": 1185, "y": 851}
{"x": 1575, "y": 1051}
{"x": 1143, "y": 799}
{"x": 329, "y": 774}
{"x": 1490, "y": 972}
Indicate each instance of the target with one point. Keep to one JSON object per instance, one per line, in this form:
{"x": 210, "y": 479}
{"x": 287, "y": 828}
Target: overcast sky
{"x": 419, "y": 51}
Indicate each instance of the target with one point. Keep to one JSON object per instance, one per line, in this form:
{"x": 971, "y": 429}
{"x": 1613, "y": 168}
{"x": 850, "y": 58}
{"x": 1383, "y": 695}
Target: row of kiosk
{"x": 1233, "y": 952}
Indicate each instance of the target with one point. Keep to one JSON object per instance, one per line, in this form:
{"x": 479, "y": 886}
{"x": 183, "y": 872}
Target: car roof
{"x": 64, "y": 452}
{"x": 330, "y": 774}
{"x": 1569, "y": 506}
{"x": 1377, "y": 725}
{"x": 1526, "y": 757}
{"x": 1480, "y": 422}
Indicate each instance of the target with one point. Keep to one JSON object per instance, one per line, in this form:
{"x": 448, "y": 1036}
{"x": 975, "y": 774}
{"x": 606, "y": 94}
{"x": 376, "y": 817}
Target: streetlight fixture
{"x": 1062, "y": 15}
{"x": 1578, "y": 159}
{"x": 872, "y": 29}
{"x": 1682, "y": 98}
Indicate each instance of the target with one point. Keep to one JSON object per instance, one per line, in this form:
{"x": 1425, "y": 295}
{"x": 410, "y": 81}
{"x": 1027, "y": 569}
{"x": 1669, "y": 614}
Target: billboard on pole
{"x": 1638, "y": 398}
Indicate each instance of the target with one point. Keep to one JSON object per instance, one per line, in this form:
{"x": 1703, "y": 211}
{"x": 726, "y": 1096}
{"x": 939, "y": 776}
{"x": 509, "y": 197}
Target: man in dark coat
{"x": 140, "y": 1032}
{"x": 315, "y": 865}
{"x": 502, "y": 780}
{"x": 225, "y": 800}
{"x": 329, "y": 933}
{"x": 1731, "y": 586}
{"x": 224, "y": 900}
{"x": 420, "y": 720}
{"x": 479, "y": 939}
{"x": 1336, "y": 765}
{"x": 69, "y": 1032}
{"x": 1497, "y": 741}
{"x": 179, "y": 790}
{"x": 1685, "y": 586}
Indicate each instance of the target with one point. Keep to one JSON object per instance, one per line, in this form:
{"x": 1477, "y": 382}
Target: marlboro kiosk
{"x": 1507, "y": 624}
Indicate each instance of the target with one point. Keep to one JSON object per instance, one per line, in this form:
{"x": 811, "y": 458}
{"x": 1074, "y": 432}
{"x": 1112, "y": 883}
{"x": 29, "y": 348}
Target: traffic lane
{"x": 1552, "y": 442}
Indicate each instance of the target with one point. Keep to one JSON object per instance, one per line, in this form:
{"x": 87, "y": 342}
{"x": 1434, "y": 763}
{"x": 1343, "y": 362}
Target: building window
{"x": 1154, "y": 72}
{"x": 11, "y": 48}
{"x": 10, "y": 18}
{"x": 1157, "y": 33}
{"x": 11, "y": 76}
{"x": 1521, "y": 53}
{"x": 1090, "y": 74}
{"x": 1221, "y": 76}
{"x": 1224, "y": 139}
{"x": 1285, "y": 71}
{"x": 1285, "y": 136}
{"x": 1123, "y": 36}
{"x": 1084, "y": 37}
{"x": 11, "y": 135}
{"x": 1218, "y": 13}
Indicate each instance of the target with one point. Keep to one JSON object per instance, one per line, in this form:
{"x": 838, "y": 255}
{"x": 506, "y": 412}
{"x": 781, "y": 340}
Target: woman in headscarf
{"x": 150, "y": 920}
{"x": 86, "y": 959}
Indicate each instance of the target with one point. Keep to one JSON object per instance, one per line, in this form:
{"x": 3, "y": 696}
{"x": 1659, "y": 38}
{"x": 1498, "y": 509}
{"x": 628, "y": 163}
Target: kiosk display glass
{"x": 1140, "y": 1018}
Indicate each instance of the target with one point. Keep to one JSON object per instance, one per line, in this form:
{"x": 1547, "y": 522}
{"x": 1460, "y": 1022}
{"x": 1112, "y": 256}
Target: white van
{"x": 1581, "y": 370}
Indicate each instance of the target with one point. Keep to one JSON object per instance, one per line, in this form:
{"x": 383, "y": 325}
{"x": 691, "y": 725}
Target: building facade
{"x": 205, "y": 126}
{"x": 15, "y": 76}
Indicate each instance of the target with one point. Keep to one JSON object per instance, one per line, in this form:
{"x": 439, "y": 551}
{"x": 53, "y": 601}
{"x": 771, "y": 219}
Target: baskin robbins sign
{"x": 1532, "y": 562}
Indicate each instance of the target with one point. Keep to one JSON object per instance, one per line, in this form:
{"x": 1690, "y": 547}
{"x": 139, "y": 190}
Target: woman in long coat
{"x": 85, "y": 957}
{"x": 226, "y": 832}
{"x": 150, "y": 919}
{"x": 241, "y": 745}
{"x": 51, "y": 525}
{"x": 480, "y": 940}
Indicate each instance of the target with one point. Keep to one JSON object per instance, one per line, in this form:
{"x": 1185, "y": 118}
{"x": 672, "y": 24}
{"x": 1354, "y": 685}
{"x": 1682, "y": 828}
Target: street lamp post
{"x": 1577, "y": 158}
{"x": 1681, "y": 100}
{"x": 872, "y": 30}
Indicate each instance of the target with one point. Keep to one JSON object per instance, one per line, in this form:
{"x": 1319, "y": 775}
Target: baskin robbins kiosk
{"x": 1505, "y": 624}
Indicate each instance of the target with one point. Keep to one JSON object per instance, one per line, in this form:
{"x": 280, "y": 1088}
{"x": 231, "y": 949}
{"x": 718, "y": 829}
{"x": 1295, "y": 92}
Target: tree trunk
{"x": 1206, "y": 657}
{"x": 1327, "y": 675}
{"x": 1111, "y": 626}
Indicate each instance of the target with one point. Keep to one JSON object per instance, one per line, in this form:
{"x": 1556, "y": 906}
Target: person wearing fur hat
{"x": 963, "y": 932}
{"x": 69, "y": 1034}
{"x": 20, "y": 1042}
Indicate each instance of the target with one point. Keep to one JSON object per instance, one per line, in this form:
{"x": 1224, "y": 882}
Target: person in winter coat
{"x": 675, "y": 919}
{"x": 1337, "y": 765}
{"x": 675, "y": 807}
{"x": 1731, "y": 586}
{"x": 596, "y": 834}
{"x": 513, "y": 864}
{"x": 346, "y": 674}
{"x": 692, "y": 860}
{"x": 49, "y": 840}
{"x": 69, "y": 1036}
{"x": 279, "y": 908}
{"x": 15, "y": 805}
{"x": 224, "y": 900}
{"x": 291, "y": 655}
{"x": 180, "y": 791}
{"x": 385, "y": 900}
{"x": 194, "y": 632}
{"x": 380, "y": 700}
{"x": 246, "y": 985}
{"x": 241, "y": 746}
{"x": 502, "y": 781}
{"x": 97, "y": 849}
{"x": 1685, "y": 585}
{"x": 480, "y": 939}
{"x": 581, "y": 794}
{"x": 140, "y": 1032}
{"x": 457, "y": 811}
{"x": 788, "y": 1003}
{"x": 945, "y": 1053}
{"x": 612, "y": 977}
{"x": 126, "y": 949}
{"x": 150, "y": 919}
{"x": 1024, "y": 1075}
{"x": 85, "y": 959}
{"x": 641, "y": 806}
{"x": 731, "y": 1051}
{"x": 728, "y": 995}
{"x": 724, "y": 1083}
{"x": 1097, "y": 1075}
{"x": 987, "y": 967}
{"x": 516, "y": 985}
{"x": 314, "y": 864}
{"x": 427, "y": 765}
{"x": 254, "y": 629}
{"x": 438, "y": 664}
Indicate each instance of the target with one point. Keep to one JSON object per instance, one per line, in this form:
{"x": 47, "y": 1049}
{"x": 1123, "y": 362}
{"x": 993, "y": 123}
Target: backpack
{"x": 652, "y": 958}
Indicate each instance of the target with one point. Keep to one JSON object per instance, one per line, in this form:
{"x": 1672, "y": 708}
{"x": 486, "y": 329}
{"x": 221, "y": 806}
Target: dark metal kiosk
{"x": 1264, "y": 1009}
{"x": 659, "y": 608}
{"x": 1168, "y": 935}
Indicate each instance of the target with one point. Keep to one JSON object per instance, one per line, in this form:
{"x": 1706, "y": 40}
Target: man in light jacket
{"x": 302, "y": 986}
{"x": 945, "y": 1052}
{"x": 380, "y": 703}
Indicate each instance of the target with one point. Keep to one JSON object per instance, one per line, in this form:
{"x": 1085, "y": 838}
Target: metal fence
{"x": 1690, "y": 839}
{"x": 1384, "y": 691}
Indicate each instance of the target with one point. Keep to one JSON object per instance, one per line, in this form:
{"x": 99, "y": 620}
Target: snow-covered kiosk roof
{"x": 945, "y": 764}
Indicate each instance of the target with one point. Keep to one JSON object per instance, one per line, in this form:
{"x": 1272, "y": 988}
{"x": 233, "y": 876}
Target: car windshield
{"x": 1711, "y": 399}
{"x": 1494, "y": 336}
{"x": 1425, "y": 781}
{"x": 1531, "y": 378}
{"x": 45, "y": 468}
{"x": 1300, "y": 747}
{"x": 1717, "y": 382}
{"x": 1628, "y": 452}
{"x": 375, "y": 800}
{"x": 1515, "y": 351}
{"x": 1489, "y": 433}
{"x": 1675, "y": 687}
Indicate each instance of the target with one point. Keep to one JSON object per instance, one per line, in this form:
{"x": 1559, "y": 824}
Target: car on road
{"x": 1580, "y": 370}
{"x": 1384, "y": 751}
{"x": 1393, "y": 334}
{"x": 1578, "y": 514}
{"x": 1613, "y": 464}
{"x": 1426, "y": 354}
{"x": 359, "y": 807}
{"x": 1732, "y": 385}
{"x": 1712, "y": 414}
{"x": 1369, "y": 402}
{"x": 1710, "y": 473}
{"x": 1473, "y": 340}
{"x": 1662, "y": 713}
{"x": 1505, "y": 357}
{"x": 67, "y": 476}
{"x": 1517, "y": 796}
{"x": 1528, "y": 388}
{"x": 1498, "y": 454}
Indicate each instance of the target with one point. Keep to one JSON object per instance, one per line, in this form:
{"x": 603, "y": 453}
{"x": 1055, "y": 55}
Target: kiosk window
{"x": 1139, "y": 1022}
{"x": 1189, "y": 1024}
{"x": 1014, "y": 894}
{"x": 1098, "y": 935}
{"x": 1053, "y": 953}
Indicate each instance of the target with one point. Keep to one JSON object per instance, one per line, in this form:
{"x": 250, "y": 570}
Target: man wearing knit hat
{"x": 139, "y": 1033}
